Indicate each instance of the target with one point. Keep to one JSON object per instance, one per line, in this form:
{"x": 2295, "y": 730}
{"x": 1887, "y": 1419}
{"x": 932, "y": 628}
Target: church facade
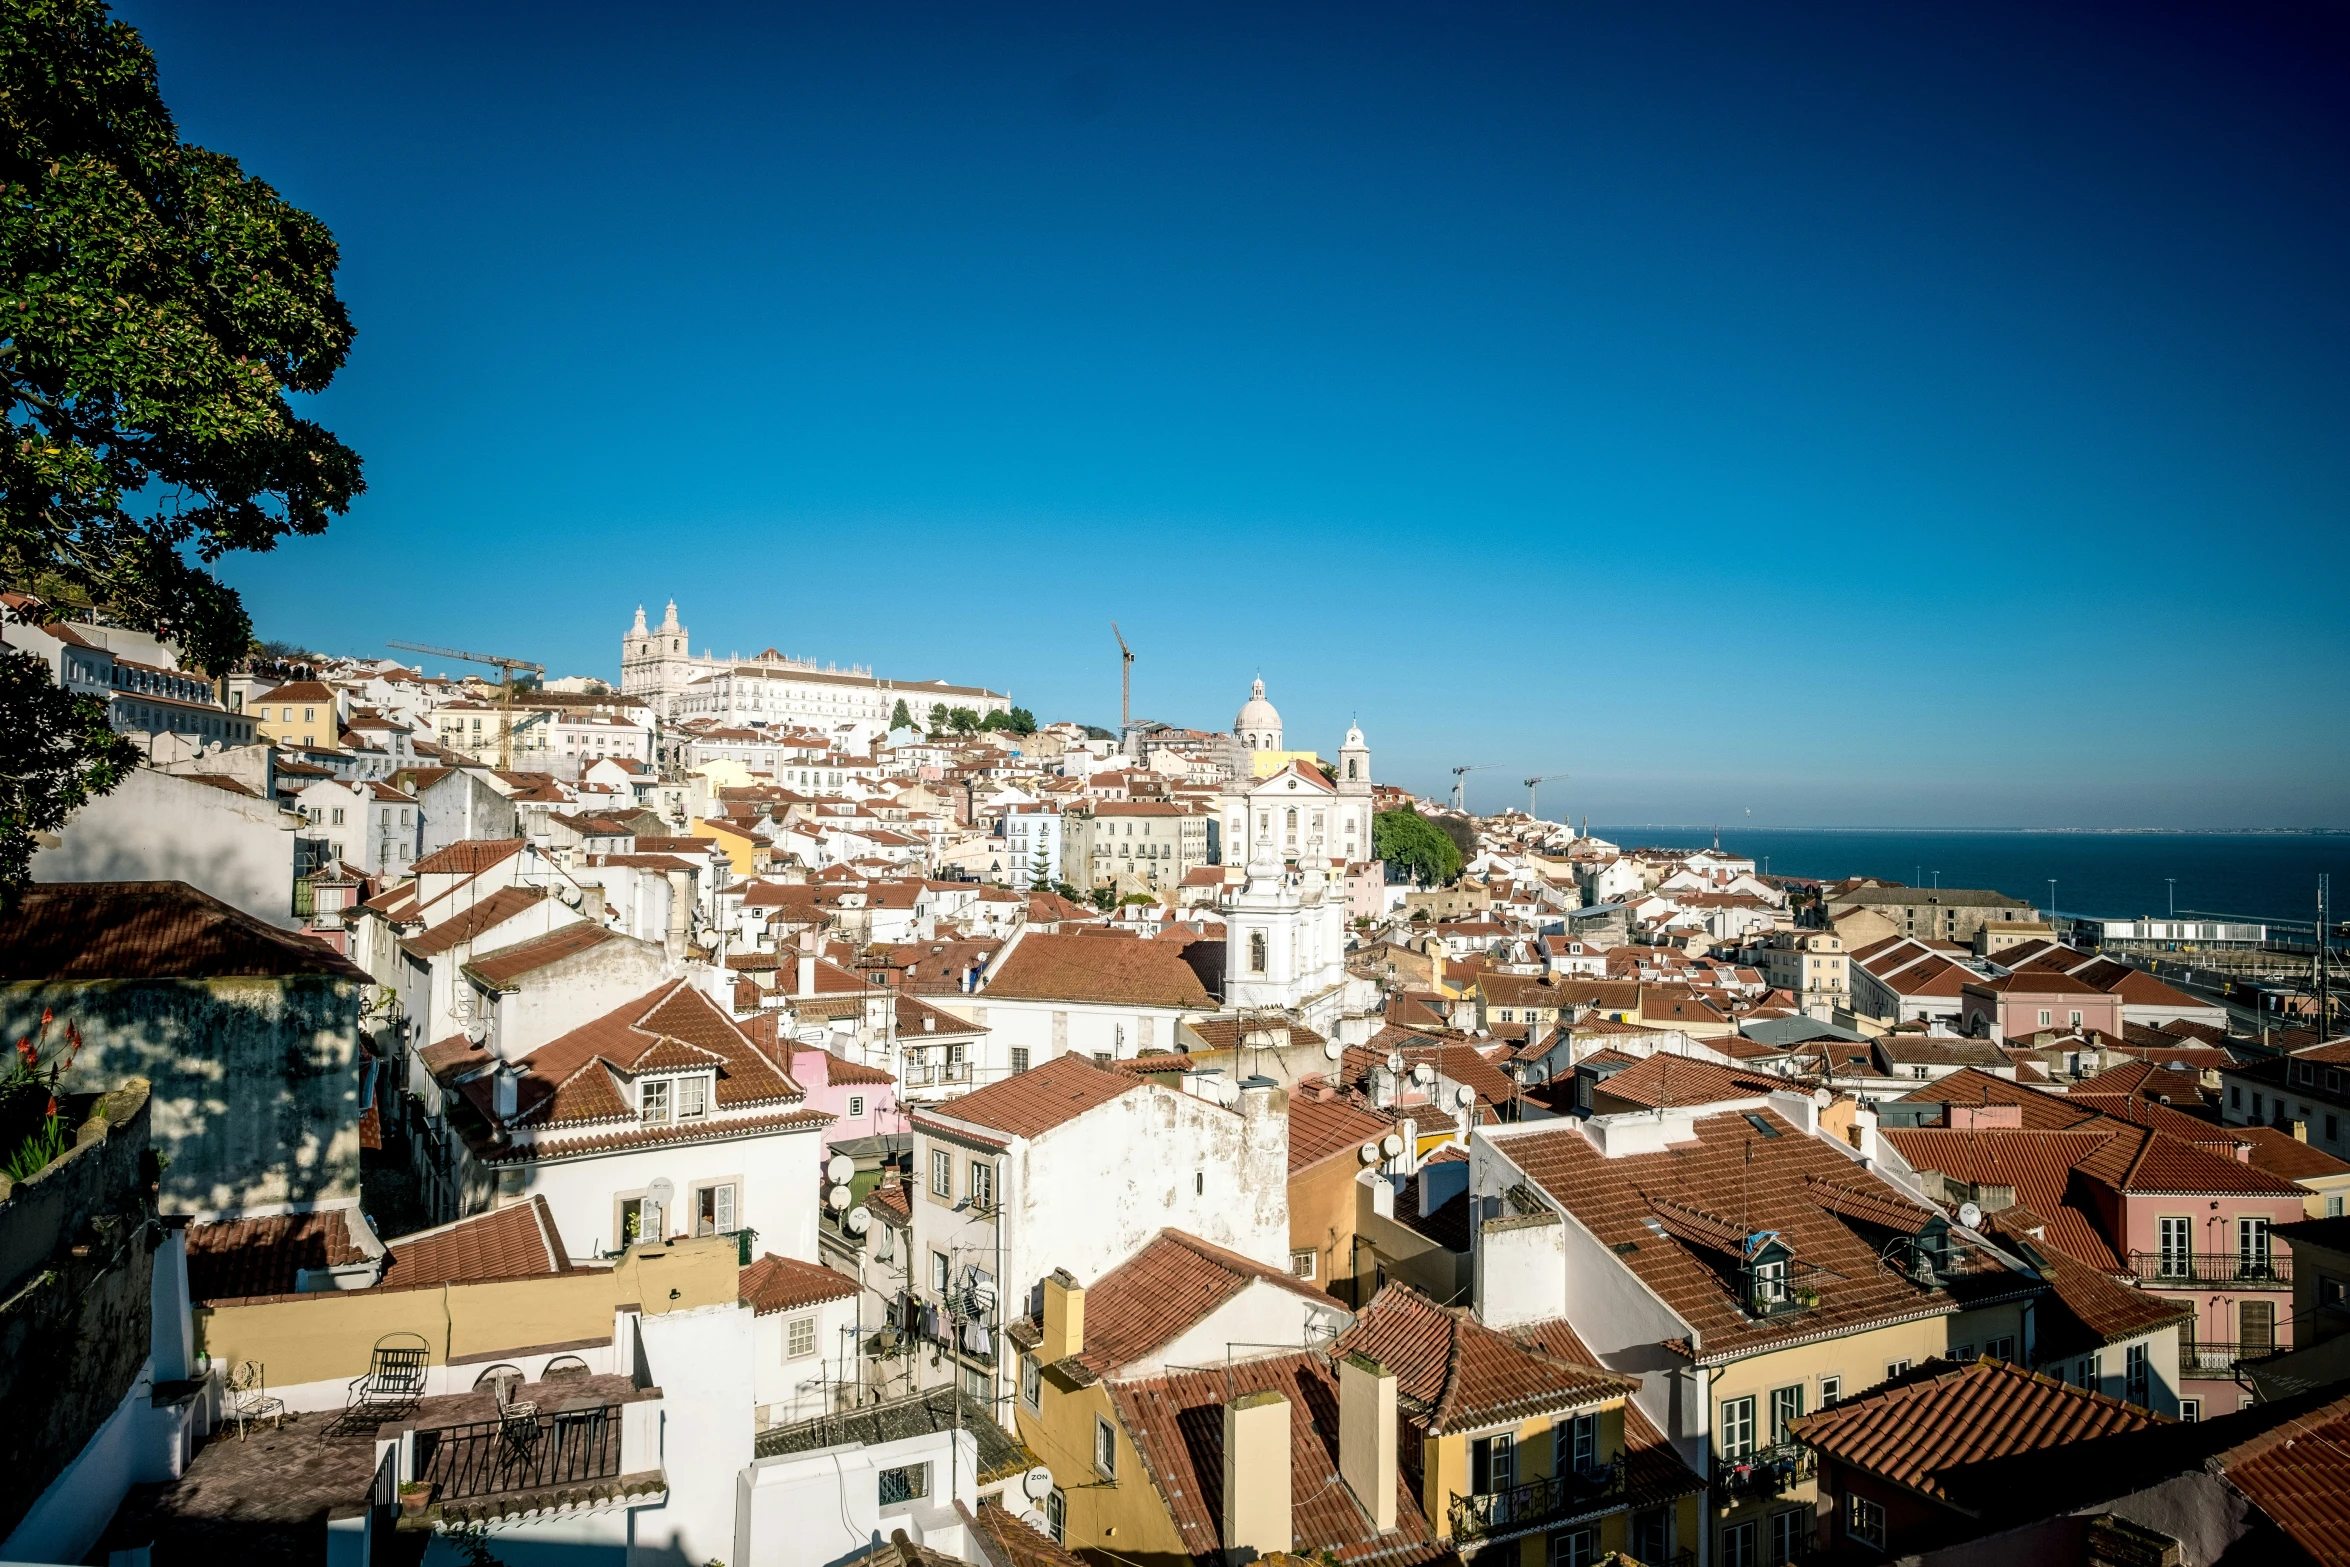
{"x": 658, "y": 664}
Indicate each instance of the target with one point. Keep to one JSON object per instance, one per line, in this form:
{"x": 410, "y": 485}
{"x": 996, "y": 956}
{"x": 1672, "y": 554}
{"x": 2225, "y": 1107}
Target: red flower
{"x": 24, "y": 1048}
{"x": 51, "y": 1112}
{"x": 46, "y": 1015}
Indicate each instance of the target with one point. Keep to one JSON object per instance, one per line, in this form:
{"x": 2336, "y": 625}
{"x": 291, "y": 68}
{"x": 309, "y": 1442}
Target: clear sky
{"x": 1930, "y": 414}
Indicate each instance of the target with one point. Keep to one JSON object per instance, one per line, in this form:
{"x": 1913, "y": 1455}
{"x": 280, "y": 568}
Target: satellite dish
{"x": 1394, "y": 1060}
{"x": 1035, "y": 1520}
{"x": 858, "y": 1221}
{"x": 1462, "y": 1096}
{"x": 1037, "y": 1484}
{"x": 839, "y": 1169}
{"x": 837, "y": 1199}
{"x": 1969, "y": 1215}
{"x": 1370, "y": 1153}
{"x": 1332, "y": 1050}
{"x": 1423, "y": 1073}
{"x": 1391, "y": 1145}
{"x": 661, "y": 1190}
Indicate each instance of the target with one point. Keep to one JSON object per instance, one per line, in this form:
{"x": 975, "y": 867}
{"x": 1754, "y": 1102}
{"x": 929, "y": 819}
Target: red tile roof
{"x": 508, "y": 964}
{"x": 775, "y": 1284}
{"x": 1164, "y": 1291}
{"x": 237, "y": 1258}
{"x": 1662, "y": 1079}
{"x": 1453, "y": 1373}
{"x": 1174, "y": 1422}
{"x": 1055, "y": 967}
{"x": 2282, "y": 1154}
{"x": 467, "y": 856}
{"x": 570, "y": 1080}
{"x": 57, "y": 931}
{"x": 488, "y": 914}
{"x": 1916, "y": 1430}
{"x": 2294, "y": 1474}
{"x": 517, "y": 1241}
{"x": 1320, "y": 1128}
{"x": 1031, "y": 1103}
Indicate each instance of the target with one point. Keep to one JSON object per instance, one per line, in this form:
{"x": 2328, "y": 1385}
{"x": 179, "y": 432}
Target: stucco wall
{"x": 775, "y": 1175}
{"x": 75, "y": 1330}
{"x": 255, "y": 1082}
{"x": 162, "y": 827}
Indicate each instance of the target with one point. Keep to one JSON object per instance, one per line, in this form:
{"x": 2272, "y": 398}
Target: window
{"x": 652, "y": 1100}
{"x": 909, "y": 1484}
{"x": 1493, "y": 1463}
{"x": 1031, "y": 1381}
{"x": 2075, "y": 1019}
{"x": 335, "y": 817}
{"x": 1962, "y": 1352}
{"x": 1652, "y": 1534}
{"x": 939, "y": 1272}
{"x": 2330, "y": 1291}
{"x": 1831, "y": 1389}
{"x": 1105, "y": 1449}
{"x": 2134, "y": 1381}
{"x": 2235, "y": 1096}
{"x": 976, "y": 1383}
{"x": 640, "y": 1219}
{"x": 982, "y": 1184}
{"x": 714, "y": 1208}
{"x": 1864, "y": 1521}
{"x": 1301, "y": 1264}
{"x": 856, "y": 1105}
{"x": 1574, "y": 1548}
{"x": 1578, "y": 1444}
{"x": 2256, "y": 1328}
{"x": 1786, "y": 1409}
{"x": 1790, "y": 1535}
{"x": 2000, "y": 1348}
{"x": 1894, "y": 1368}
{"x": 942, "y": 1173}
{"x": 1056, "y": 1514}
{"x": 1740, "y": 1542}
{"x": 693, "y": 1098}
{"x": 1256, "y": 952}
{"x": 2176, "y": 1238}
{"x": 1737, "y": 1426}
{"x": 1770, "y": 1282}
{"x": 2252, "y": 1244}
{"x": 799, "y": 1338}
{"x": 2190, "y": 1410}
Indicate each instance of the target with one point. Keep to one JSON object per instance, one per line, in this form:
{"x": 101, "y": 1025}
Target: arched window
{"x": 1350, "y": 767}
{"x": 1256, "y": 952}
{"x": 1292, "y": 822}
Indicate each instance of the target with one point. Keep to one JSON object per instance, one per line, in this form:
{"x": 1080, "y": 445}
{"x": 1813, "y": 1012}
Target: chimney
{"x": 1366, "y": 1436}
{"x": 591, "y": 903}
{"x": 680, "y": 915}
{"x": 2300, "y": 1131}
{"x": 1064, "y": 1318}
{"x": 505, "y": 1085}
{"x": 1256, "y": 1476}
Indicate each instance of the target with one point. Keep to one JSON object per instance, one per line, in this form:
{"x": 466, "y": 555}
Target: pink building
{"x": 862, "y": 1100}
{"x": 2018, "y": 1005}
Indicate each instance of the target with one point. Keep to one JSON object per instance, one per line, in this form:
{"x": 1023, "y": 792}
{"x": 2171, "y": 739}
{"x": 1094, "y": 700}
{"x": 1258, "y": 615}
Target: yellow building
{"x": 302, "y": 713}
{"x": 745, "y": 850}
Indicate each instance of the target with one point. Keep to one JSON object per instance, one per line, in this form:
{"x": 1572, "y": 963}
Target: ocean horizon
{"x": 2114, "y": 873}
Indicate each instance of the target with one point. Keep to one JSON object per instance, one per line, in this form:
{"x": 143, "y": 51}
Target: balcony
{"x": 2188, "y": 1270}
{"x": 2216, "y": 1359}
{"x": 569, "y": 1447}
{"x": 1765, "y": 1472}
{"x": 1541, "y": 1504}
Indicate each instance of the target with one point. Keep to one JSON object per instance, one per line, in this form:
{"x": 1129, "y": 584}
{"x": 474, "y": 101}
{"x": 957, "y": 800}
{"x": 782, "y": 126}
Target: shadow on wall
{"x": 255, "y": 1083}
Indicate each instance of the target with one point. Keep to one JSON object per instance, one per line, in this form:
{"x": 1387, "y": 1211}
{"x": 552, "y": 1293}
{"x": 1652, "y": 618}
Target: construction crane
{"x": 1459, "y": 790}
{"x": 1533, "y": 784}
{"x": 1125, "y": 683}
{"x": 505, "y": 668}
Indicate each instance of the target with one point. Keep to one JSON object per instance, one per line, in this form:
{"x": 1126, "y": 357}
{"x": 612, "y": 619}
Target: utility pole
{"x": 1125, "y": 683}
{"x": 505, "y": 668}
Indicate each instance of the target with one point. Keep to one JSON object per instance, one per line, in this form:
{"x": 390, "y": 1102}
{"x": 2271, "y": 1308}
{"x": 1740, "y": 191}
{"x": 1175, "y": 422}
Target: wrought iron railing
{"x": 1767, "y": 1471}
{"x": 2255, "y": 1270}
{"x": 2210, "y": 1358}
{"x": 1537, "y": 1504}
{"x": 526, "y": 1453}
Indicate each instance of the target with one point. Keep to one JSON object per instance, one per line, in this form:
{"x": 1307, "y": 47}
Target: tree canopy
{"x": 158, "y": 306}
{"x": 1411, "y": 843}
{"x": 899, "y": 717}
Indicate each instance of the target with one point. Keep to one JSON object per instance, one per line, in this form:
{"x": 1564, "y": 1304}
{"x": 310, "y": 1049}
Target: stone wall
{"x": 77, "y": 1245}
{"x": 256, "y": 1082}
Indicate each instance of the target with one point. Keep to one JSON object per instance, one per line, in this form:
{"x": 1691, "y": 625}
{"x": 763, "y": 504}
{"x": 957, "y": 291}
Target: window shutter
{"x": 725, "y": 1208}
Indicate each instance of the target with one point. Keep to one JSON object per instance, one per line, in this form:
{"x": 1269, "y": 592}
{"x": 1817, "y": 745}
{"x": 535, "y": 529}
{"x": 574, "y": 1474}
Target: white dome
{"x": 1257, "y": 716}
{"x": 1354, "y": 738}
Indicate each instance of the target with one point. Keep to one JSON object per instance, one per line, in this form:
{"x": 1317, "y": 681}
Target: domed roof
{"x": 1354, "y": 738}
{"x": 1256, "y": 714}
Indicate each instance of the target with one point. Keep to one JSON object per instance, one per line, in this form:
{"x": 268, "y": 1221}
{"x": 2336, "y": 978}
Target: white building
{"x": 1285, "y": 942}
{"x": 366, "y": 824}
{"x": 1032, "y": 847}
{"x": 806, "y": 1355}
{"x": 657, "y": 664}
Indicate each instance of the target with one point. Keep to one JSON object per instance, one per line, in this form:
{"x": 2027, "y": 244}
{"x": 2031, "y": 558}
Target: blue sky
{"x": 1924, "y": 415}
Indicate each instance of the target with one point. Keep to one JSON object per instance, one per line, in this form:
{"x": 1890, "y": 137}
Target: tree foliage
{"x": 157, "y": 308}
{"x": 963, "y": 720}
{"x": 1411, "y": 843}
{"x": 899, "y": 717}
{"x": 1020, "y": 721}
{"x": 56, "y": 751}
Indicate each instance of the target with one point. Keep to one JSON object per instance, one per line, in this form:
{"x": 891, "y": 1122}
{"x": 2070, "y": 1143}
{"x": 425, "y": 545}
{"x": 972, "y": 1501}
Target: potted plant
{"x": 415, "y": 1496}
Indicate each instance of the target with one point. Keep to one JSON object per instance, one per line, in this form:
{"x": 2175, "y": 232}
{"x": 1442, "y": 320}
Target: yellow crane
{"x": 505, "y": 667}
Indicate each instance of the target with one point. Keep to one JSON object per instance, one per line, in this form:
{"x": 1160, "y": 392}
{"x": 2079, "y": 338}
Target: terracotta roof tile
{"x": 1916, "y": 1430}
{"x": 1165, "y": 1290}
{"x": 663, "y": 1136}
{"x": 1663, "y": 1079}
{"x": 236, "y": 1258}
{"x": 150, "y": 930}
{"x": 488, "y": 914}
{"x": 1320, "y": 1128}
{"x": 774, "y": 1284}
{"x": 1453, "y": 1373}
{"x": 467, "y": 856}
{"x": 1055, "y": 967}
{"x": 1174, "y": 1424}
{"x": 2294, "y": 1474}
{"x": 568, "y": 1079}
{"x": 516, "y": 1241}
{"x": 1031, "y": 1103}
{"x": 508, "y": 964}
